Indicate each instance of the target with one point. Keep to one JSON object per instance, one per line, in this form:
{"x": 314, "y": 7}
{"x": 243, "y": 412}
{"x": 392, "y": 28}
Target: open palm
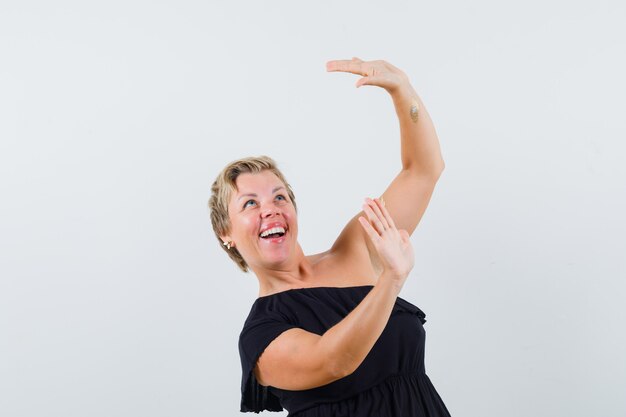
{"x": 392, "y": 245}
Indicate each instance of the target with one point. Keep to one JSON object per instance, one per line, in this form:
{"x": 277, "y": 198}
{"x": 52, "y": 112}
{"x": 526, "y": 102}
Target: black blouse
{"x": 390, "y": 382}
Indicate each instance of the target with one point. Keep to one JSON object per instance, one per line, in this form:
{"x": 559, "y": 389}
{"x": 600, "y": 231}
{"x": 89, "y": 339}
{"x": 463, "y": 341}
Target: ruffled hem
{"x": 403, "y": 305}
{"x": 407, "y": 395}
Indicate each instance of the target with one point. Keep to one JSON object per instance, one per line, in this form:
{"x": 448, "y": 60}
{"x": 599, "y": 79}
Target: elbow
{"x": 341, "y": 367}
{"x": 440, "y": 169}
{"x": 432, "y": 173}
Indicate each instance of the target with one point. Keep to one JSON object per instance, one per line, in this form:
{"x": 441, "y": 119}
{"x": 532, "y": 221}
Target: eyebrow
{"x": 254, "y": 195}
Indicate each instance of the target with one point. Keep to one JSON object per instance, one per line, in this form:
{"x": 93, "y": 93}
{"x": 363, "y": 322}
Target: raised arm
{"x": 409, "y": 193}
{"x": 421, "y": 165}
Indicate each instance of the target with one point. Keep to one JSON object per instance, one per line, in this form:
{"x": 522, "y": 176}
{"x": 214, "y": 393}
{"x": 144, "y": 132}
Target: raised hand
{"x": 378, "y": 73}
{"x": 392, "y": 245}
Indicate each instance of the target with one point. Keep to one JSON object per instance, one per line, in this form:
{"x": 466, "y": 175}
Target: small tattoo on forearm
{"x": 414, "y": 111}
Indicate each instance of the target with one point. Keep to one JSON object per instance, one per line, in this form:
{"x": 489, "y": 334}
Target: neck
{"x": 296, "y": 273}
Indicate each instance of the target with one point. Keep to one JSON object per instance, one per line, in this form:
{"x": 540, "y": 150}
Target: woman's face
{"x": 262, "y": 203}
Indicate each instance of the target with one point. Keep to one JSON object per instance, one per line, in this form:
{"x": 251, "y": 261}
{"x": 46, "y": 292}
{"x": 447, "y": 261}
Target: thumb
{"x": 404, "y": 234}
{"x": 363, "y": 81}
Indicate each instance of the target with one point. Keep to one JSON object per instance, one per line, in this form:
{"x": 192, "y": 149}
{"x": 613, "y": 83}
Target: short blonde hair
{"x": 223, "y": 188}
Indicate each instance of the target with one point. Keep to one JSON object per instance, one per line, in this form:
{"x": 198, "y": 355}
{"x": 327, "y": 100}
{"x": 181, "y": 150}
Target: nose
{"x": 269, "y": 210}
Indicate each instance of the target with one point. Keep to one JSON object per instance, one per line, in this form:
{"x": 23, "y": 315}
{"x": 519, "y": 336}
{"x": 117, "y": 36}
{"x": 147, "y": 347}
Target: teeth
{"x": 273, "y": 230}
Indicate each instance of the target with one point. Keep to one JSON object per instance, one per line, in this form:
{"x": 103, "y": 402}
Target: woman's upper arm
{"x": 406, "y": 199}
{"x": 296, "y": 360}
{"x": 354, "y": 244}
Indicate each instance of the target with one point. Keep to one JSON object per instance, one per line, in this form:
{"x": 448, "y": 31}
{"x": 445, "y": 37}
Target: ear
{"x": 227, "y": 238}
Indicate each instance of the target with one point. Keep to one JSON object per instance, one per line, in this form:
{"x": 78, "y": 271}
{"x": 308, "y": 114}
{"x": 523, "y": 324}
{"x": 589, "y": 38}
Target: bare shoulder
{"x": 353, "y": 247}
{"x": 347, "y": 263}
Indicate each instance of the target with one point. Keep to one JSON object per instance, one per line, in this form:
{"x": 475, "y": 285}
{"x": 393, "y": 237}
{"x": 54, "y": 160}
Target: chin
{"x": 276, "y": 261}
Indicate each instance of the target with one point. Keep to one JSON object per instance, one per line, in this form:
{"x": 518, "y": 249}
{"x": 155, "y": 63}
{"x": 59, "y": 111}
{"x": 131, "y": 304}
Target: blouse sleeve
{"x": 256, "y": 335}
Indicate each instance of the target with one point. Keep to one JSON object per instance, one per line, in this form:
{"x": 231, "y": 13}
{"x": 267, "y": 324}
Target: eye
{"x": 280, "y": 195}
{"x": 246, "y": 203}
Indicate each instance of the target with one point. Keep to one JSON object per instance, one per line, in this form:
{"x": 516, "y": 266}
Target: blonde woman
{"x": 329, "y": 335}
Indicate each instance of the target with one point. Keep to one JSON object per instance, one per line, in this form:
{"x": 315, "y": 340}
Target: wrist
{"x": 391, "y": 280}
{"x": 403, "y": 92}
{"x": 406, "y": 101}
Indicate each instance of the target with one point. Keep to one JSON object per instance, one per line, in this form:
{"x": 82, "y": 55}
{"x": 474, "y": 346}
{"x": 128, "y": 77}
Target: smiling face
{"x": 262, "y": 203}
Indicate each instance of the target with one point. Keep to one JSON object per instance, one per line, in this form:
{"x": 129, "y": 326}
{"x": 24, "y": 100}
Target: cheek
{"x": 292, "y": 220}
{"x": 249, "y": 225}
{"x": 241, "y": 225}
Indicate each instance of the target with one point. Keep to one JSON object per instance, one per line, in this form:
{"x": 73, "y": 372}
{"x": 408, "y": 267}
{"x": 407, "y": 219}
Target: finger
{"x": 355, "y": 67}
{"x": 386, "y": 213}
{"x": 376, "y": 207}
{"x": 363, "y": 81}
{"x": 376, "y": 216}
{"x": 369, "y": 80}
{"x": 373, "y": 218}
{"x": 375, "y": 237}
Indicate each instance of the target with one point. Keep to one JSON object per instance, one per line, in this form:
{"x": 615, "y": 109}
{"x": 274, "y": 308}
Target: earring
{"x": 227, "y": 244}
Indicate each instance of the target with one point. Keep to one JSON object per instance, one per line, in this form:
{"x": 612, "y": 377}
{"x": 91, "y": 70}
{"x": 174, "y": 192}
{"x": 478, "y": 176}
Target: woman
{"x": 328, "y": 335}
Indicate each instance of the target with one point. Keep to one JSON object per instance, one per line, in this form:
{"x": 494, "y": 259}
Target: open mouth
{"x": 276, "y": 233}
{"x": 273, "y": 236}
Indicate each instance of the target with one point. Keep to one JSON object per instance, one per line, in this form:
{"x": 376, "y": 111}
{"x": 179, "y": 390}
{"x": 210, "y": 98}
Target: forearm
{"x": 350, "y": 340}
{"x": 420, "y": 150}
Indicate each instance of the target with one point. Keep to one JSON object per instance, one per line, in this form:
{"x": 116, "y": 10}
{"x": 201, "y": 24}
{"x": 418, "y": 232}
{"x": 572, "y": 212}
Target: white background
{"x": 115, "y": 118}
